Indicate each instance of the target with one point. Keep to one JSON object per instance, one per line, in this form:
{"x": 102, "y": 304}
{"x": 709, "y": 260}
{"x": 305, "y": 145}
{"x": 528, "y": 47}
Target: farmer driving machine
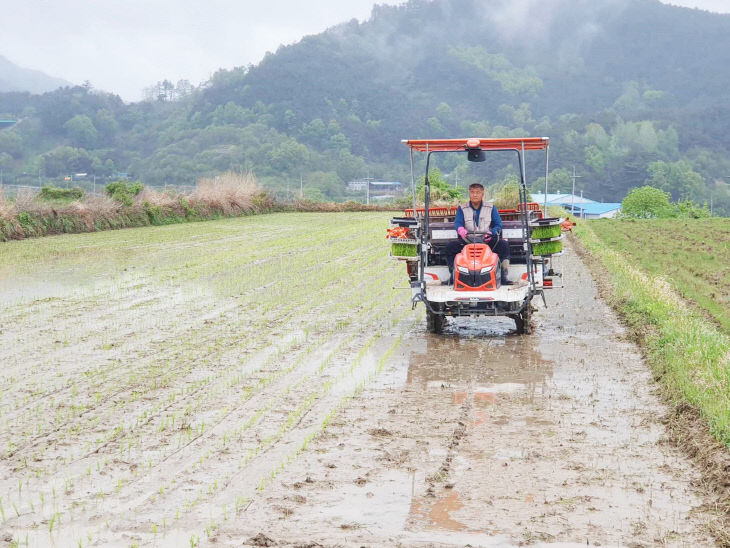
{"x": 420, "y": 238}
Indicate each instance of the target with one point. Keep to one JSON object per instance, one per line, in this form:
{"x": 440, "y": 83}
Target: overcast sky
{"x": 125, "y": 45}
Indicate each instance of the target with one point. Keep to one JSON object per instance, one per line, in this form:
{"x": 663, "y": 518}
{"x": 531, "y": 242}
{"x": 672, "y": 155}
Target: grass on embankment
{"x": 228, "y": 195}
{"x": 692, "y": 254}
{"x": 689, "y": 354}
{"x": 36, "y": 214}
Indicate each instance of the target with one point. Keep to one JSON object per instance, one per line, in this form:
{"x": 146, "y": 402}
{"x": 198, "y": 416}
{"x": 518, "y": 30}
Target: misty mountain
{"x": 630, "y": 91}
{"x": 560, "y": 56}
{"x": 15, "y": 78}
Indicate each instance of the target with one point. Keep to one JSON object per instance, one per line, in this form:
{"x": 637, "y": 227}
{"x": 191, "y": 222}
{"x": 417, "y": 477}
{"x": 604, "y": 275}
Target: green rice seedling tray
{"x": 545, "y": 232}
{"x": 404, "y": 251}
{"x": 544, "y": 240}
{"x": 547, "y": 248}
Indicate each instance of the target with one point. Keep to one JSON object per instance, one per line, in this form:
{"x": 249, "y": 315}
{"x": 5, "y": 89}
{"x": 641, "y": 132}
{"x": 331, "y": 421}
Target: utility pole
{"x": 572, "y": 196}
{"x": 367, "y": 181}
{"x": 301, "y": 186}
{"x": 94, "y": 183}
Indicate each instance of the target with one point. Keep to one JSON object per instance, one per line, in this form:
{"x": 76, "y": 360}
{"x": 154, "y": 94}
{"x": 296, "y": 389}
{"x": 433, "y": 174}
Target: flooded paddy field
{"x": 259, "y": 381}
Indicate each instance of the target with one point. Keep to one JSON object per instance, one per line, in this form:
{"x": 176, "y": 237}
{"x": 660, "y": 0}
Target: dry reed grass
{"x": 7, "y": 208}
{"x": 25, "y": 201}
{"x": 168, "y": 199}
{"x": 228, "y": 193}
{"x": 102, "y": 205}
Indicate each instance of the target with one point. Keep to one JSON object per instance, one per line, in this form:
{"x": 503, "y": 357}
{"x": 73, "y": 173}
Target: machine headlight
{"x": 486, "y": 269}
{"x": 462, "y": 269}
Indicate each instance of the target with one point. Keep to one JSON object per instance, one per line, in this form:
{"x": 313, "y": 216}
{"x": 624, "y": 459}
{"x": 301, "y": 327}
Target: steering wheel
{"x": 470, "y": 237}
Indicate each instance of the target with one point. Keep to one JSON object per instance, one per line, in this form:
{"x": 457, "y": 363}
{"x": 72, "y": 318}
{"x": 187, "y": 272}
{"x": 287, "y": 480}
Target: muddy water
{"x": 481, "y": 437}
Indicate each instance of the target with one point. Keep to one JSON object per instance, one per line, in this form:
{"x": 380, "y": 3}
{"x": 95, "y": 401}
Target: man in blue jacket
{"x": 476, "y": 216}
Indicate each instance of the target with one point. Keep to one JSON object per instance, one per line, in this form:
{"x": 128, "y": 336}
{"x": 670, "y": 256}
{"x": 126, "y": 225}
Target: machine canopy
{"x": 453, "y": 145}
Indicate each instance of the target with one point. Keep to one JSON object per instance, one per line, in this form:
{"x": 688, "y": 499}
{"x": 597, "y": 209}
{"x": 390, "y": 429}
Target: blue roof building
{"x": 581, "y": 207}
{"x": 559, "y": 199}
{"x": 595, "y": 210}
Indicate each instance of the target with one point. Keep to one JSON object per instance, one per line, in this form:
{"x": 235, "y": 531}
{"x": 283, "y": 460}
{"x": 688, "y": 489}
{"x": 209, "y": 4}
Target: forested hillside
{"x": 630, "y": 91}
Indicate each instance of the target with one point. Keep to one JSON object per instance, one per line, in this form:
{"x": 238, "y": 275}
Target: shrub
{"x": 647, "y": 202}
{"x": 50, "y": 193}
{"x": 123, "y": 192}
{"x": 441, "y": 190}
{"x": 691, "y": 210}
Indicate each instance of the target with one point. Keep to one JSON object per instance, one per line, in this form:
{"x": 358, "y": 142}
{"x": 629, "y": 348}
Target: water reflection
{"x": 479, "y": 366}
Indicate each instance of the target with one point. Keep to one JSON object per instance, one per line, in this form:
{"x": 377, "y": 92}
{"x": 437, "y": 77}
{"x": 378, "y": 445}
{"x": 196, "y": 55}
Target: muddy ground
{"x": 191, "y": 394}
{"x": 480, "y": 437}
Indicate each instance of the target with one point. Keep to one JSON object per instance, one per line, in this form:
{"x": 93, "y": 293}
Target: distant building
{"x": 581, "y": 207}
{"x": 375, "y": 186}
{"x": 595, "y": 210}
{"x": 355, "y": 186}
{"x": 559, "y": 199}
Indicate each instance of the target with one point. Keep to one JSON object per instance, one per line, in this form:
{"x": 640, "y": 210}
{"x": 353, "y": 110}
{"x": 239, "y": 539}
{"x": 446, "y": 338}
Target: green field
{"x": 669, "y": 279}
{"x": 161, "y": 377}
{"x": 693, "y": 255}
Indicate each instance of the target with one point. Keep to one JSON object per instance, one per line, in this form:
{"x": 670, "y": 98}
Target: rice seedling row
{"x": 198, "y": 400}
{"x": 155, "y": 375}
{"x": 60, "y": 509}
{"x": 106, "y": 380}
{"x": 112, "y": 342}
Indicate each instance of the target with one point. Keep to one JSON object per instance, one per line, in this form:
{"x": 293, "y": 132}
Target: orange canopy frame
{"x": 453, "y": 145}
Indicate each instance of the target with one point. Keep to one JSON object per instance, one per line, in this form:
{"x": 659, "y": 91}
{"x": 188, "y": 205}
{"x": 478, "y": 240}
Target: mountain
{"x": 630, "y": 92}
{"x": 15, "y": 78}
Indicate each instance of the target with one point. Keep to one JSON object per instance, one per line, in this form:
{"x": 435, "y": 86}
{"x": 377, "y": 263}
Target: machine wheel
{"x": 434, "y": 322}
{"x": 522, "y": 322}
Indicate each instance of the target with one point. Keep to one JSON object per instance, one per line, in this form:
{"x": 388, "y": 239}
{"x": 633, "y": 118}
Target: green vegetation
{"x": 123, "y": 192}
{"x": 507, "y": 194}
{"x": 688, "y": 352}
{"x": 692, "y": 255}
{"x": 441, "y": 190}
{"x": 649, "y": 202}
{"x": 50, "y": 193}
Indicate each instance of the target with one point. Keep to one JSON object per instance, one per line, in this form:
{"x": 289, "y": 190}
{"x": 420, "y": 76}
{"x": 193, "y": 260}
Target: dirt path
{"x": 483, "y": 438}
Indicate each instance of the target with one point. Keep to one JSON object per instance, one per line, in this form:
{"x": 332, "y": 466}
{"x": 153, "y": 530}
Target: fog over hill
{"x": 631, "y": 91}
{"x": 15, "y": 78}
